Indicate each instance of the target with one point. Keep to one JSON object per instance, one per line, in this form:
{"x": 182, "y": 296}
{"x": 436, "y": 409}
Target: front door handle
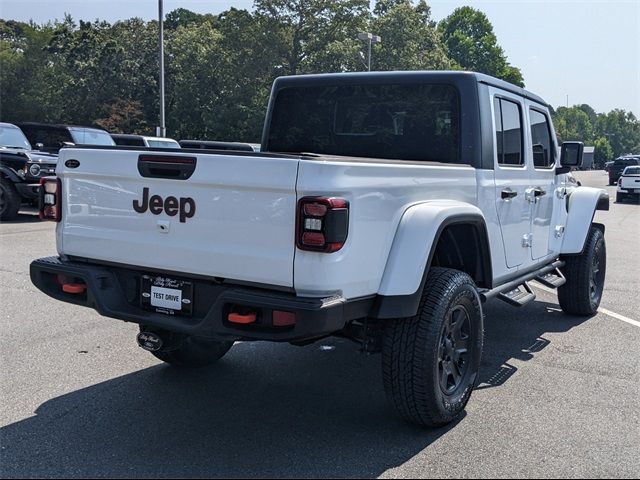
{"x": 538, "y": 192}
{"x": 508, "y": 193}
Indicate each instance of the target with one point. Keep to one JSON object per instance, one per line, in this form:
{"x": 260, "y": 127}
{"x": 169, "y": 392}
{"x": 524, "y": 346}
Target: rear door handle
{"x": 538, "y": 192}
{"x": 508, "y": 193}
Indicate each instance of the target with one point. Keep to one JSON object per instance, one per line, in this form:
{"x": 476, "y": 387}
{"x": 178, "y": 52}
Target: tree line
{"x": 219, "y": 68}
{"x": 612, "y": 134}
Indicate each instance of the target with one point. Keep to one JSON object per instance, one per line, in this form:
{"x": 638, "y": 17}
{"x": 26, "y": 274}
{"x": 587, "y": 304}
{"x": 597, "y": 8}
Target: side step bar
{"x": 519, "y": 296}
{"x": 552, "y": 279}
{"x": 517, "y": 292}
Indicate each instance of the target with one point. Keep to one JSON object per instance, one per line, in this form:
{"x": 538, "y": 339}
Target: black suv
{"x": 618, "y": 166}
{"x": 21, "y": 168}
{"x": 51, "y": 138}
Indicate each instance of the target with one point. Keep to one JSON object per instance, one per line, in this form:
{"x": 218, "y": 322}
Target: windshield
{"x": 90, "y": 136}
{"x": 404, "y": 122}
{"x": 13, "y": 137}
{"x": 163, "y": 143}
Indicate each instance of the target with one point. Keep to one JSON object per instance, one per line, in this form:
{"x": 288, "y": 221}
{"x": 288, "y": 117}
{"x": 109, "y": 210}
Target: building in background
{"x": 587, "y": 158}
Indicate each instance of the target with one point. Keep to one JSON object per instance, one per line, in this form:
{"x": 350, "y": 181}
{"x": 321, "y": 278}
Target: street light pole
{"x": 370, "y": 39}
{"x": 162, "y": 129}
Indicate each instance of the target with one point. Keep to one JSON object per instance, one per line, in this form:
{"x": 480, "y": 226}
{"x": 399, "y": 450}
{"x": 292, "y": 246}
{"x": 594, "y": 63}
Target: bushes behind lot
{"x": 219, "y": 68}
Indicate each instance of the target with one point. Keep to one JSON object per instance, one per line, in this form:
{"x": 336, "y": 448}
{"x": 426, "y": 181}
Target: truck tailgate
{"x": 630, "y": 182}
{"x": 233, "y": 218}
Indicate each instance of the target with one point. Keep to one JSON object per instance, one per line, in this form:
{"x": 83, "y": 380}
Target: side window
{"x": 508, "y": 132}
{"x": 541, "y": 140}
{"x": 497, "y": 115}
{"x": 56, "y": 136}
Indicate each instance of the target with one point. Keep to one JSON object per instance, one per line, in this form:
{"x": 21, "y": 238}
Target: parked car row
{"x": 29, "y": 151}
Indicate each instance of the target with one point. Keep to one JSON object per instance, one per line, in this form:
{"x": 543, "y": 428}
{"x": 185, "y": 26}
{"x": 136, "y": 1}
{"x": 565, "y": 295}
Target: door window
{"x": 541, "y": 140}
{"x": 508, "y": 132}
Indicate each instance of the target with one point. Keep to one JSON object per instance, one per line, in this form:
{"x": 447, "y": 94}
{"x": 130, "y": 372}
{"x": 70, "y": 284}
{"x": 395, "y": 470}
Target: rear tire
{"x": 585, "y": 274}
{"x": 619, "y": 198}
{"x": 9, "y": 200}
{"x": 430, "y": 361}
{"x": 193, "y": 352}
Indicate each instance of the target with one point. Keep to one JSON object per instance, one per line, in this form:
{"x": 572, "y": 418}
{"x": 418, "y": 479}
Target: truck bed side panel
{"x": 379, "y": 193}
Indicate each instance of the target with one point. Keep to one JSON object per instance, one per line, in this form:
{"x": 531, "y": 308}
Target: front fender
{"x": 415, "y": 239}
{"x": 581, "y": 207}
{"x": 10, "y": 174}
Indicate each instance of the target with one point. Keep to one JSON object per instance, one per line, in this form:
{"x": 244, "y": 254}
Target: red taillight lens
{"x": 283, "y": 319}
{"x": 323, "y": 224}
{"x": 50, "y": 199}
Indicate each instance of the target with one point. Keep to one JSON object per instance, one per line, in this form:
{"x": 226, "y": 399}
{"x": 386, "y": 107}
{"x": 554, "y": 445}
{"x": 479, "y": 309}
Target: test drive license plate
{"x": 167, "y": 295}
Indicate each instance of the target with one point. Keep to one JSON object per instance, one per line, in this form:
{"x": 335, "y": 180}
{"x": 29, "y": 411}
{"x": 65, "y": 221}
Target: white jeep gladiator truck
{"x": 383, "y": 207}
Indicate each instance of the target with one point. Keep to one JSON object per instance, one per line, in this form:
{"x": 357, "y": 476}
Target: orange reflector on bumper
{"x": 74, "y": 288}
{"x": 242, "y": 319}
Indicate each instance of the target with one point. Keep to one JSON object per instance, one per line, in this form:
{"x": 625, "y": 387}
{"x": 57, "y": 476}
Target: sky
{"x": 586, "y": 49}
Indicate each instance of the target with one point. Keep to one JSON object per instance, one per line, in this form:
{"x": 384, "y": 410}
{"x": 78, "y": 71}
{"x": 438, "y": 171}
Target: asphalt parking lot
{"x": 559, "y": 395}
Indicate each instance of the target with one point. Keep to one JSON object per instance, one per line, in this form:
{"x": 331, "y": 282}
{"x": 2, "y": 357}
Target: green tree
{"x": 410, "y": 40}
{"x": 622, "y": 129}
{"x": 27, "y": 75}
{"x": 573, "y": 124}
{"x": 181, "y": 17}
{"x": 312, "y": 36}
{"x": 471, "y": 42}
{"x": 603, "y": 152}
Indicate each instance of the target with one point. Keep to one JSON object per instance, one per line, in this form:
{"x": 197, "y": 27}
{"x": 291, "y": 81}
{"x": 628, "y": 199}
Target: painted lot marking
{"x": 615, "y": 315}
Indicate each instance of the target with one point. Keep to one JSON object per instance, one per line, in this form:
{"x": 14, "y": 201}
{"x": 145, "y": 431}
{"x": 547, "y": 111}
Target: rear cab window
{"x": 418, "y": 122}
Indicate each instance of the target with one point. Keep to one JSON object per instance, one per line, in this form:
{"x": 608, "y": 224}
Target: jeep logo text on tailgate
{"x": 171, "y": 205}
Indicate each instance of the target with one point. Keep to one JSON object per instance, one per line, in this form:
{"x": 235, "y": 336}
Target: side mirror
{"x": 571, "y": 154}
{"x": 40, "y": 146}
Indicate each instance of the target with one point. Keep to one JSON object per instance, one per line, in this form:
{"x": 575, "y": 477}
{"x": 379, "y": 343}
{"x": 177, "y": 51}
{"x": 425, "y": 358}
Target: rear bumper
{"x": 115, "y": 292}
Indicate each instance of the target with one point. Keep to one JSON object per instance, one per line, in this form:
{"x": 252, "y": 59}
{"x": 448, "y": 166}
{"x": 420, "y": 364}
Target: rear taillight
{"x": 50, "y": 199}
{"x": 323, "y": 224}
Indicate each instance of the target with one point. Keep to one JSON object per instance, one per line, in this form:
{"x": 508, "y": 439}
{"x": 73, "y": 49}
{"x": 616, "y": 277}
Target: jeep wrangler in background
{"x": 21, "y": 168}
{"x": 383, "y": 207}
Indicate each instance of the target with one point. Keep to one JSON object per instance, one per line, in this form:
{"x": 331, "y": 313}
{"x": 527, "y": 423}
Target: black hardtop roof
{"x": 403, "y": 77}
{"x": 56, "y": 125}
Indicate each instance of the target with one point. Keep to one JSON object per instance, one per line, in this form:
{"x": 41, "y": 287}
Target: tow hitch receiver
{"x": 149, "y": 341}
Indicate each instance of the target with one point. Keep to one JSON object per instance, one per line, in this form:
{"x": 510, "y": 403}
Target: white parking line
{"x": 630, "y": 321}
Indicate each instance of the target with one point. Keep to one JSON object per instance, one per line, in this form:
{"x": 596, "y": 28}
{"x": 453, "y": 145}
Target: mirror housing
{"x": 570, "y": 156}
{"x": 40, "y": 146}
